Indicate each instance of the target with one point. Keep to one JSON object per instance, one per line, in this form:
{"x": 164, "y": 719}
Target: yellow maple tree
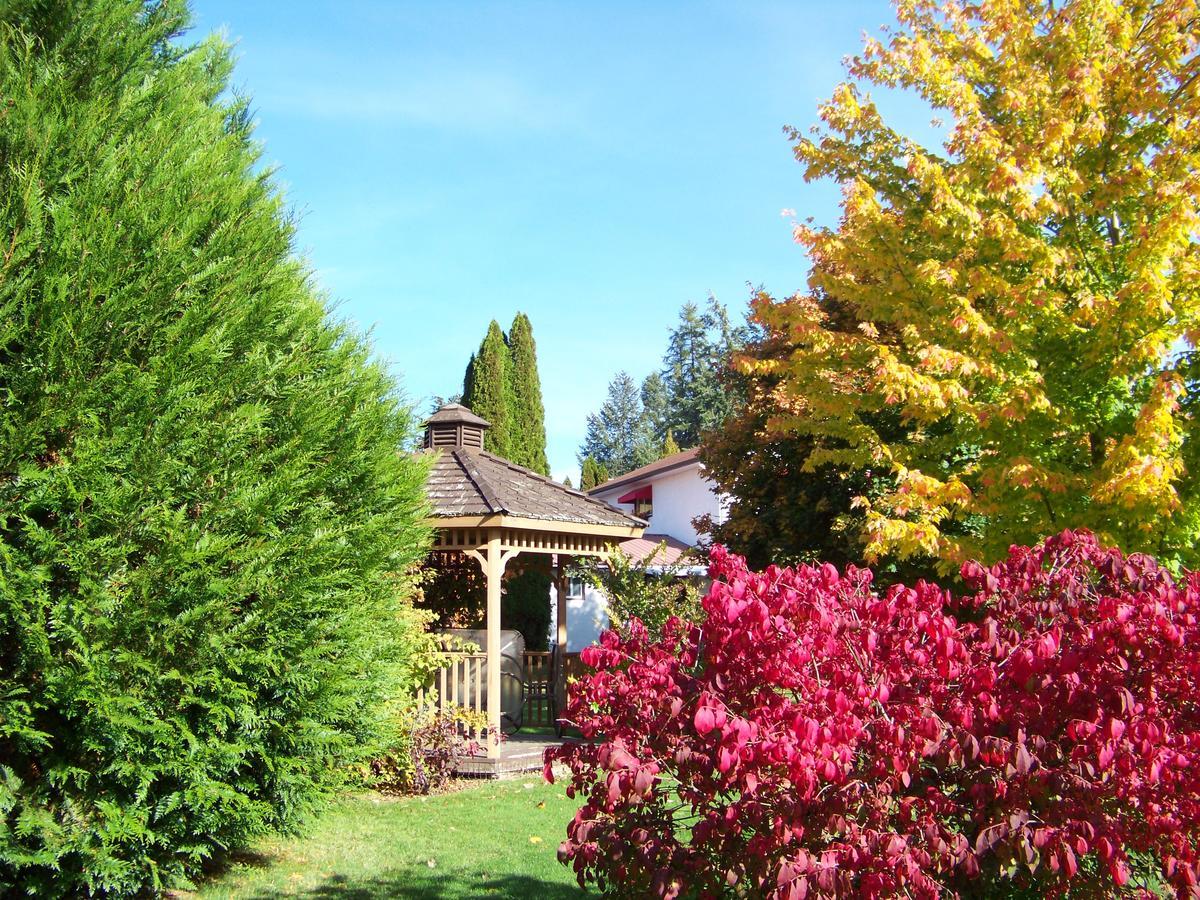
{"x": 1004, "y": 326}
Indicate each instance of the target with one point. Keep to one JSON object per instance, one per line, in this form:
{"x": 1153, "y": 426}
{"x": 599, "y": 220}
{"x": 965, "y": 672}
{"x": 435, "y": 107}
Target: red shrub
{"x": 813, "y": 738}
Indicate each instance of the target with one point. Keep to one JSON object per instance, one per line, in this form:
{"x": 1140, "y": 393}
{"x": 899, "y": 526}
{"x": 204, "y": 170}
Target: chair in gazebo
{"x": 490, "y": 510}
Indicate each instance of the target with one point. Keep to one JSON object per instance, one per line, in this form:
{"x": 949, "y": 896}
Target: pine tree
{"x": 468, "y": 388}
{"x": 656, "y": 409}
{"x": 205, "y": 523}
{"x": 528, "y": 421}
{"x": 698, "y": 351}
{"x": 615, "y": 438}
{"x": 567, "y": 483}
{"x": 487, "y": 390}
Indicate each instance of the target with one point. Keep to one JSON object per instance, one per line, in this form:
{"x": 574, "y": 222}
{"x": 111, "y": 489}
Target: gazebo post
{"x": 495, "y": 576}
{"x": 560, "y": 643}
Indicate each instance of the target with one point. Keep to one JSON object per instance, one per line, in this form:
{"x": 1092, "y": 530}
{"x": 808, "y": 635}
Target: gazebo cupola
{"x": 455, "y": 426}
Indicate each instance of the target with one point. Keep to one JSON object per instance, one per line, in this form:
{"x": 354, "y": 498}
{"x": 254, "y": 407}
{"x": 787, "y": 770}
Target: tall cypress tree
{"x": 205, "y": 525}
{"x": 487, "y": 390}
{"x": 528, "y": 422}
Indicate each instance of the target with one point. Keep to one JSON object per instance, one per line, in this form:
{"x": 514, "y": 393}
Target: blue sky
{"x": 593, "y": 165}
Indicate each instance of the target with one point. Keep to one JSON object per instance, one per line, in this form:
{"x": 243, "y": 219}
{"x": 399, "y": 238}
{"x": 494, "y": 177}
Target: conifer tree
{"x": 615, "y": 438}
{"x": 587, "y": 474}
{"x": 528, "y": 420}
{"x": 698, "y": 351}
{"x": 592, "y": 474}
{"x": 205, "y": 525}
{"x": 656, "y": 409}
{"x": 487, "y": 390}
{"x": 468, "y": 388}
{"x": 669, "y": 446}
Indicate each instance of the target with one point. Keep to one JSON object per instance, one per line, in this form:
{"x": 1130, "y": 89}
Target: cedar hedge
{"x": 205, "y": 519}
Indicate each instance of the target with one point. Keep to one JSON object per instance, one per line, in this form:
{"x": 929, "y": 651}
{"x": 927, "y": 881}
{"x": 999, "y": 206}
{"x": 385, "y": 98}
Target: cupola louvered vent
{"x": 454, "y": 426}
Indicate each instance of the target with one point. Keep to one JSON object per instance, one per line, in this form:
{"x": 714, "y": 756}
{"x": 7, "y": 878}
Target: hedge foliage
{"x": 206, "y": 524}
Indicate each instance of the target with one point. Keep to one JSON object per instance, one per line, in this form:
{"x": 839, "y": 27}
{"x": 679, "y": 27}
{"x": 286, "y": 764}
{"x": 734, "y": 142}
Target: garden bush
{"x": 814, "y": 737}
{"x": 430, "y": 748}
{"x": 207, "y": 525}
{"x": 651, "y": 594}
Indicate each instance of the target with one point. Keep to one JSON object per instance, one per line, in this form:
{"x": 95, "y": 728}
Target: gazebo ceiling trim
{"x": 500, "y": 520}
{"x": 523, "y": 540}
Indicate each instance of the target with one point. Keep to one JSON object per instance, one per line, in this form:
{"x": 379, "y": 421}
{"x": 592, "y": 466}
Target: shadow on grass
{"x": 220, "y": 864}
{"x": 420, "y": 885}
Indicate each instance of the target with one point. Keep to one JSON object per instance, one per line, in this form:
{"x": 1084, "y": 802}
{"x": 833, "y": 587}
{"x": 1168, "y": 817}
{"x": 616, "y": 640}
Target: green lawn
{"x": 491, "y": 839}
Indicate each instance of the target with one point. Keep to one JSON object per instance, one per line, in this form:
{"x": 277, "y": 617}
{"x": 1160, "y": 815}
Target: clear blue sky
{"x": 593, "y": 165}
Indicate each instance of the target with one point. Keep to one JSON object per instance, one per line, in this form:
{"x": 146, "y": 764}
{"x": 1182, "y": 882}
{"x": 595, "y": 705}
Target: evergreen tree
{"x": 468, "y": 388}
{"x": 656, "y": 409}
{"x": 528, "y": 421}
{"x": 526, "y": 606}
{"x": 487, "y": 390}
{"x": 698, "y": 351}
{"x": 615, "y": 437}
{"x": 205, "y": 523}
{"x": 587, "y": 474}
{"x": 669, "y": 446}
{"x": 567, "y": 482}
{"x": 592, "y": 474}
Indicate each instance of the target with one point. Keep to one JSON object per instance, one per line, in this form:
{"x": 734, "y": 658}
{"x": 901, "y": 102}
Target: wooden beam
{"x": 494, "y": 572}
{"x": 560, "y": 644}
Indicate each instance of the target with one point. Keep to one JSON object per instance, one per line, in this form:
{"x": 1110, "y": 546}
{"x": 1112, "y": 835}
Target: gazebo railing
{"x": 462, "y": 682}
{"x": 458, "y": 686}
{"x": 539, "y": 664}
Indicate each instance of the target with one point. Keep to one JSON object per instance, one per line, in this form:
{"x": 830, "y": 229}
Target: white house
{"x": 668, "y": 494}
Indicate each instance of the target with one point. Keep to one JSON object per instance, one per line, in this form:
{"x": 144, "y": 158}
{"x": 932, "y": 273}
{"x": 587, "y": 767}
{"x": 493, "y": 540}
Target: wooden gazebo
{"x": 491, "y": 510}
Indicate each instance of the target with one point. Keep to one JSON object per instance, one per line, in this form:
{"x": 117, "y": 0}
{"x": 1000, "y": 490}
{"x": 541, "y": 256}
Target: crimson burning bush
{"x": 811, "y": 737}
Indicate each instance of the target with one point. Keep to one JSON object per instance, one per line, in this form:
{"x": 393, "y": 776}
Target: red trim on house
{"x": 645, "y": 492}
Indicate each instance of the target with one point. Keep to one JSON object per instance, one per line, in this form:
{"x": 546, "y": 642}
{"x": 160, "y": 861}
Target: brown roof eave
{"x": 646, "y": 473}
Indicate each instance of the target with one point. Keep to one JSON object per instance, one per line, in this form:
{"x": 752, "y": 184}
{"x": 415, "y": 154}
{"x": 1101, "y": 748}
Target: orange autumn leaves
{"x": 1004, "y": 324}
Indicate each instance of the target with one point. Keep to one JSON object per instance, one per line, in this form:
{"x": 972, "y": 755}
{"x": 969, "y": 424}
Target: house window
{"x": 642, "y": 500}
{"x": 574, "y": 588}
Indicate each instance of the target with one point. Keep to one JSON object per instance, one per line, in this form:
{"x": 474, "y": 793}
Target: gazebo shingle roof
{"x": 469, "y": 482}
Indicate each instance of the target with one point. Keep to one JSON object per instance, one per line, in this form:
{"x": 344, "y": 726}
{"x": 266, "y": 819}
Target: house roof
{"x": 658, "y": 467}
{"x": 649, "y": 550}
{"x": 470, "y": 482}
